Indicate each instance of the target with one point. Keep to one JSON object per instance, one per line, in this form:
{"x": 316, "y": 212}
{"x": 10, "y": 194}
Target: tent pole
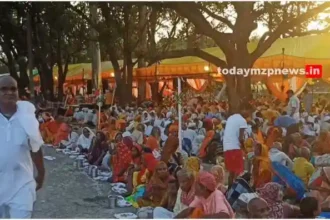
{"x": 180, "y": 113}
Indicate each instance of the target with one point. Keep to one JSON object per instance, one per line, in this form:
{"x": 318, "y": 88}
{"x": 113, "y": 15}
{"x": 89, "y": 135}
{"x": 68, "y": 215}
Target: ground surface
{"x": 70, "y": 193}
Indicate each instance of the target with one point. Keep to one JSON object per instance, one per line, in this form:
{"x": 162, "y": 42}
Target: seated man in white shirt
{"x": 190, "y": 132}
{"x": 276, "y": 155}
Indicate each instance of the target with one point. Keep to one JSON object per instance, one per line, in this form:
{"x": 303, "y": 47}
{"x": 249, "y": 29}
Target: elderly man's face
{"x": 8, "y": 90}
{"x": 259, "y": 209}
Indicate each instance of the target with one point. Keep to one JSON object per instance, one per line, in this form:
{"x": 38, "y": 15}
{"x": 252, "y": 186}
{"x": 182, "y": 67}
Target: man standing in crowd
{"x": 293, "y": 105}
{"x": 233, "y": 141}
{"x": 20, "y": 145}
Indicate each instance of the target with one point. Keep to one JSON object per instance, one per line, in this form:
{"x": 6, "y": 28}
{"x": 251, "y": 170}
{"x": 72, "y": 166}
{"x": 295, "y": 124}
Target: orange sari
{"x": 152, "y": 143}
{"x": 262, "y": 168}
{"x": 208, "y": 138}
{"x": 49, "y": 130}
{"x": 197, "y": 213}
{"x": 62, "y": 134}
{"x": 273, "y": 134}
{"x": 103, "y": 120}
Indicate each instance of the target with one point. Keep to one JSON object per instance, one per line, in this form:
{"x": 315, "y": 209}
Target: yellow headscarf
{"x": 193, "y": 164}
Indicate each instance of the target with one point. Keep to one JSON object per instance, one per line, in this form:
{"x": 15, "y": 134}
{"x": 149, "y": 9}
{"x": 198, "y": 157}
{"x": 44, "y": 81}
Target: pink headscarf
{"x": 271, "y": 192}
{"x": 207, "y": 179}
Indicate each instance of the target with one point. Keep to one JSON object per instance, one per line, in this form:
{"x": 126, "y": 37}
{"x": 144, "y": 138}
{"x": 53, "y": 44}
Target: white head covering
{"x": 168, "y": 114}
{"x": 191, "y": 125}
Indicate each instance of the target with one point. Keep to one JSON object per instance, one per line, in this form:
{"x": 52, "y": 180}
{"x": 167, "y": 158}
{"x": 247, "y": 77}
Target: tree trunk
{"x": 96, "y": 54}
{"x": 142, "y": 50}
{"x": 23, "y": 76}
{"x": 46, "y": 80}
{"x": 154, "y": 91}
{"x": 129, "y": 82}
{"x": 30, "y": 53}
{"x": 238, "y": 87}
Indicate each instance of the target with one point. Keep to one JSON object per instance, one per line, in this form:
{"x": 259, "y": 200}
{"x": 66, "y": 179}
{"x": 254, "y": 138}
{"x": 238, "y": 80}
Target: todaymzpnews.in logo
{"x": 310, "y": 71}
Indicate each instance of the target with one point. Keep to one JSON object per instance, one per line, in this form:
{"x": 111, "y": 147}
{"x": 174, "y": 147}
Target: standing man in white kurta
{"x": 20, "y": 147}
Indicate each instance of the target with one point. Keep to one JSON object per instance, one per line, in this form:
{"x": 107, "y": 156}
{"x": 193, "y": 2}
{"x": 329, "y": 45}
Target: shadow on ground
{"x": 70, "y": 193}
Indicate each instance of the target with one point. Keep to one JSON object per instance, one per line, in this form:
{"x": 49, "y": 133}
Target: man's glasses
{"x": 8, "y": 89}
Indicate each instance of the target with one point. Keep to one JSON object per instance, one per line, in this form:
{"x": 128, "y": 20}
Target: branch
{"x": 171, "y": 36}
{"x": 189, "y": 52}
{"x": 2, "y": 60}
{"x": 325, "y": 30}
{"x": 191, "y": 11}
{"x": 217, "y": 17}
{"x": 83, "y": 16}
{"x": 284, "y": 27}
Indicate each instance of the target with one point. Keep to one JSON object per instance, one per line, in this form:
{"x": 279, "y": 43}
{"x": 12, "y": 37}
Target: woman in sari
{"x": 49, "y": 129}
{"x": 62, "y": 134}
{"x": 121, "y": 123}
{"x": 273, "y": 134}
{"x": 133, "y": 177}
{"x": 85, "y": 140}
{"x": 219, "y": 174}
{"x": 103, "y": 119}
{"x": 322, "y": 193}
{"x": 72, "y": 139}
{"x": 99, "y": 149}
{"x": 297, "y": 143}
{"x": 261, "y": 166}
{"x": 110, "y": 127}
{"x": 121, "y": 159}
{"x": 170, "y": 156}
{"x": 209, "y": 202}
{"x": 153, "y": 142}
{"x": 322, "y": 143}
{"x": 156, "y": 187}
{"x": 138, "y": 134}
{"x": 140, "y": 178}
{"x": 208, "y": 125}
{"x": 273, "y": 194}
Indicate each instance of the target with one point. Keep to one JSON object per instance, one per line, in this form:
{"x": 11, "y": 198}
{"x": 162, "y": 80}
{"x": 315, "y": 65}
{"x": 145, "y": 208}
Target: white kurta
{"x": 17, "y": 185}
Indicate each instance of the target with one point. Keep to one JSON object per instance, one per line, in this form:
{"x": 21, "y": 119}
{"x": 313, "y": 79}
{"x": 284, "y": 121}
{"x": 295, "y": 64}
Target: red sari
{"x": 62, "y": 134}
{"x": 121, "y": 161}
{"x": 208, "y": 138}
{"x": 49, "y": 130}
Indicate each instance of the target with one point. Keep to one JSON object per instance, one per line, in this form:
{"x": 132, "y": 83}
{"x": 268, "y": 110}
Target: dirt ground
{"x": 70, "y": 193}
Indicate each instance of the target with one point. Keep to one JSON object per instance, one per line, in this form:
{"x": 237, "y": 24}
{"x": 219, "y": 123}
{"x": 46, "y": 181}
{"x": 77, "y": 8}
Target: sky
{"x": 262, "y": 28}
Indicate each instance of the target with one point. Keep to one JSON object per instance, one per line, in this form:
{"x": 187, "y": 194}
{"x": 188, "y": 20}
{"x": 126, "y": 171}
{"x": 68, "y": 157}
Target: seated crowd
{"x": 141, "y": 148}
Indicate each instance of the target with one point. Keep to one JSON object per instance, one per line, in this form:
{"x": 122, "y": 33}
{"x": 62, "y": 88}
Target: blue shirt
{"x": 284, "y": 121}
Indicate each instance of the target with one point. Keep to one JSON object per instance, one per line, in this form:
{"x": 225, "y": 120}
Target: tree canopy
{"x": 144, "y": 33}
